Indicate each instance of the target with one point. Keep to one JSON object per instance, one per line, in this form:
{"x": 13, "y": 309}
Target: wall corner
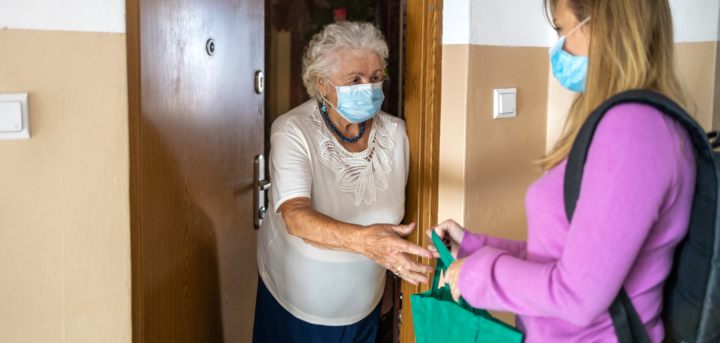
{"x": 451, "y": 180}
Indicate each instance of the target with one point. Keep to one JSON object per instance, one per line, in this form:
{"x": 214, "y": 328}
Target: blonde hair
{"x": 631, "y": 47}
{"x": 321, "y": 58}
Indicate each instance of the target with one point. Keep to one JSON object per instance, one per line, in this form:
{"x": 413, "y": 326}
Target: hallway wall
{"x": 487, "y": 164}
{"x": 489, "y": 45}
{"x": 64, "y": 208}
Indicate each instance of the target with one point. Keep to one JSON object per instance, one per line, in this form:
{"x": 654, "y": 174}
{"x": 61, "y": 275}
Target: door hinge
{"x": 400, "y": 309}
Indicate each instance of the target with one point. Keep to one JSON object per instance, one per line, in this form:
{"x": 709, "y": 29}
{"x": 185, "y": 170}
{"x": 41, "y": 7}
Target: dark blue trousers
{"x": 274, "y": 324}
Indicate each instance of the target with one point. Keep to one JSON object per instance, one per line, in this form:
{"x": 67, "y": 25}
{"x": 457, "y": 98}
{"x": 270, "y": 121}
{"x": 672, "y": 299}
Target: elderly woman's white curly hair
{"x": 321, "y": 58}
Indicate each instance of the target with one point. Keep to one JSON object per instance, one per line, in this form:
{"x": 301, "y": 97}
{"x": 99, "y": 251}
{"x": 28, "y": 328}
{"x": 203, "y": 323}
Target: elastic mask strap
{"x": 579, "y": 26}
{"x": 326, "y": 100}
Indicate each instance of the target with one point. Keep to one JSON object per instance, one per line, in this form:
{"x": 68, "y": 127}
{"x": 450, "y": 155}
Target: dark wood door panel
{"x": 198, "y": 125}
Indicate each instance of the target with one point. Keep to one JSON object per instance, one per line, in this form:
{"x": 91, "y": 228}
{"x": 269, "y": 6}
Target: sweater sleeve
{"x": 473, "y": 242}
{"x": 629, "y": 170}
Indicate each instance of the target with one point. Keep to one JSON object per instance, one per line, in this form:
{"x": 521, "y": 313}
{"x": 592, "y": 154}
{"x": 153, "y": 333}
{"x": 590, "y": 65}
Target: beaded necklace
{"x": 323, "y": 110}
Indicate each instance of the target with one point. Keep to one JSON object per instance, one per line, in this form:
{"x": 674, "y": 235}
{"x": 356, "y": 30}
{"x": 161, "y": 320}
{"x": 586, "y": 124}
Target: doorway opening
{"x": 289, "y": 27}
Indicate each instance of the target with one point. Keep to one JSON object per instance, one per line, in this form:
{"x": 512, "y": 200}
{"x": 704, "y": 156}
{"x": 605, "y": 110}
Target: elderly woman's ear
{"x": 321, "y": 83}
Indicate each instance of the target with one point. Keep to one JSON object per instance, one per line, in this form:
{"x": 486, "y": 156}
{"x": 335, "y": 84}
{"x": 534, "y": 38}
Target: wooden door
{"x": 196, "y": 124}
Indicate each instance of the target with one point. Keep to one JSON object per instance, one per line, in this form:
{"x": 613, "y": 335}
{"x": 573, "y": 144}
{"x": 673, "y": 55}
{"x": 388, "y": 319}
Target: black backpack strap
{"x": 626, "y": 321}
{"x": 714, "y": 139}
{"x": 628, "y": 326}
{"x": 578, "y": 153}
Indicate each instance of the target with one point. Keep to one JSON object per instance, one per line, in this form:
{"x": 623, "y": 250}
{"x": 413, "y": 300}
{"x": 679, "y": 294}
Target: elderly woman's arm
{"x": 379, "y": 242}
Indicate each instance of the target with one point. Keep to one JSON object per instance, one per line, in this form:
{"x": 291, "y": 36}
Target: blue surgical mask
{"x": 570, "y": 70}
{"x": 358, "y": 103}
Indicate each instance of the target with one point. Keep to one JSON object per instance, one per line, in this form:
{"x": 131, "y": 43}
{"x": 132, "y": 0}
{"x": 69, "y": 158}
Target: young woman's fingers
{"x": 455, "y": 293}
{"x": 429, "y": 232}
{"x": 440, "y": 229}
{"x": 449, "y": 229}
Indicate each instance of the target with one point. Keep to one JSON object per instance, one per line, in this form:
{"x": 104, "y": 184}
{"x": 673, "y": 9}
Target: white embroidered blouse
{"x": 306, "y": 160}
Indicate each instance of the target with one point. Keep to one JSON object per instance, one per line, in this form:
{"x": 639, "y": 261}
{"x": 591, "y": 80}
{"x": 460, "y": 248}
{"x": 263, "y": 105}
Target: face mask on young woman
{"x": 358, "y": 103}
{"x": 570, "y": 70}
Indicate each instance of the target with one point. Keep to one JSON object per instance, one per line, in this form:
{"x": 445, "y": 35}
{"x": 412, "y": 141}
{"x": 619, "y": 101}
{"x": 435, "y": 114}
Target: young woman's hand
{"x": 451, "y": 233}
{"x": 452, "y": 276}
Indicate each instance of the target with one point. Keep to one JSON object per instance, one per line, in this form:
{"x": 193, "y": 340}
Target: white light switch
{"x": 10, "y": 116}
{"x": 14, "y": 116}
{"x": 505, "y": 103}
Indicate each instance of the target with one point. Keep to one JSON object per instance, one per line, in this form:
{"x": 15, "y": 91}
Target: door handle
{"x": 259, "y": 82}
{"x": 260, "y": 187}
{"x": 263, "y": 185}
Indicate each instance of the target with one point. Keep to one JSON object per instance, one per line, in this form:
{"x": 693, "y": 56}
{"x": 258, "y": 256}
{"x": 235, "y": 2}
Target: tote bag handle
{"x": 443, "y": 262}
{"x": 445, "y": 255}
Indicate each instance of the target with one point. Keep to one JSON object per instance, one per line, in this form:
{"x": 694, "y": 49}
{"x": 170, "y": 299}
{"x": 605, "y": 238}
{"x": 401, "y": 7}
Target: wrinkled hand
{"x": 452, "y": 276}
{"x": 382, "y": 244}
{"x": 451, "y": 233}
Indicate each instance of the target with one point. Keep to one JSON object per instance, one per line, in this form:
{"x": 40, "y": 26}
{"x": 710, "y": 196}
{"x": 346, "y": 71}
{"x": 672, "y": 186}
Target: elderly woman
{"x": 339, "y": 167}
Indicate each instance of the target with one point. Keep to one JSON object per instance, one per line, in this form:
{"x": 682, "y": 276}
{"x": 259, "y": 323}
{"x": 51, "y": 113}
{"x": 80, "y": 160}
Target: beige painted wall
{"x": 451, "y": 180}
{"x": 486, "y": 164}
{"x": 696, "y": 64}
{"x": 502, "y": 152}
{"x": 64, "y": 208}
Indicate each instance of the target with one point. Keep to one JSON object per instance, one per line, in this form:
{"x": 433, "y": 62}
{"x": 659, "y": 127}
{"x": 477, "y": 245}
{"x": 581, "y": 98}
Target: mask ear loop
{"x": 325, "y": 99}
{"x": 577, "y": 27}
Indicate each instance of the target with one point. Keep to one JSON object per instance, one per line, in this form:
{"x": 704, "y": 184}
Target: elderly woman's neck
{"x": 345, "y": 127}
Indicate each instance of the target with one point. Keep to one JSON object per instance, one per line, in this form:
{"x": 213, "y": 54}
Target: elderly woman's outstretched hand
{"x": 383, "y": 244}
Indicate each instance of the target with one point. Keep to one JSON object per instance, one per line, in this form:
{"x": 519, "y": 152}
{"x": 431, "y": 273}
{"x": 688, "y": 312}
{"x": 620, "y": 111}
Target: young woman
{"x": 636, "y": 195}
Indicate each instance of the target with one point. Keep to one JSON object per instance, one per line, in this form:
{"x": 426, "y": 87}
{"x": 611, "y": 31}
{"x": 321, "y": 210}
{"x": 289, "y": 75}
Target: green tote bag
{"x": 438, "y": 318}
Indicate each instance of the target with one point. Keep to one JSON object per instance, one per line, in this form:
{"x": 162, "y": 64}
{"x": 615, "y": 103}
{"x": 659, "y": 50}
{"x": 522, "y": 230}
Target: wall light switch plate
{"x": 14, "y": 116}
{"x": 505, "y": 103}
{"x": 10, "y": 116}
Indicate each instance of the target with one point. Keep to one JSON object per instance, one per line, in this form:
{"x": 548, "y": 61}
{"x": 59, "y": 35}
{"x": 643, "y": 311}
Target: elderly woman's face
{"x": 356, "y": 67}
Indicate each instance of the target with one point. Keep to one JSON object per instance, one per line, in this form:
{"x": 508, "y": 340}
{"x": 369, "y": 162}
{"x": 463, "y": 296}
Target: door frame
{"x": 132, "y": 18}
{"x": 423, "y": 74}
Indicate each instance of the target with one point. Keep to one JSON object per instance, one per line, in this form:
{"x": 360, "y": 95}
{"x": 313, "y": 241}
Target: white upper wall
{"x": 695, "y": 20}
{"x": 63, "y": 15}
{"x": 456, "y": 22}
{"x": 509, "y": 23}
{"x": 521, "y": 22}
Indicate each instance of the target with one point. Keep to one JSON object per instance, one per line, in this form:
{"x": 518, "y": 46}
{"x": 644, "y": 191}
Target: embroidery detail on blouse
{"x": 362, "y": 173}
